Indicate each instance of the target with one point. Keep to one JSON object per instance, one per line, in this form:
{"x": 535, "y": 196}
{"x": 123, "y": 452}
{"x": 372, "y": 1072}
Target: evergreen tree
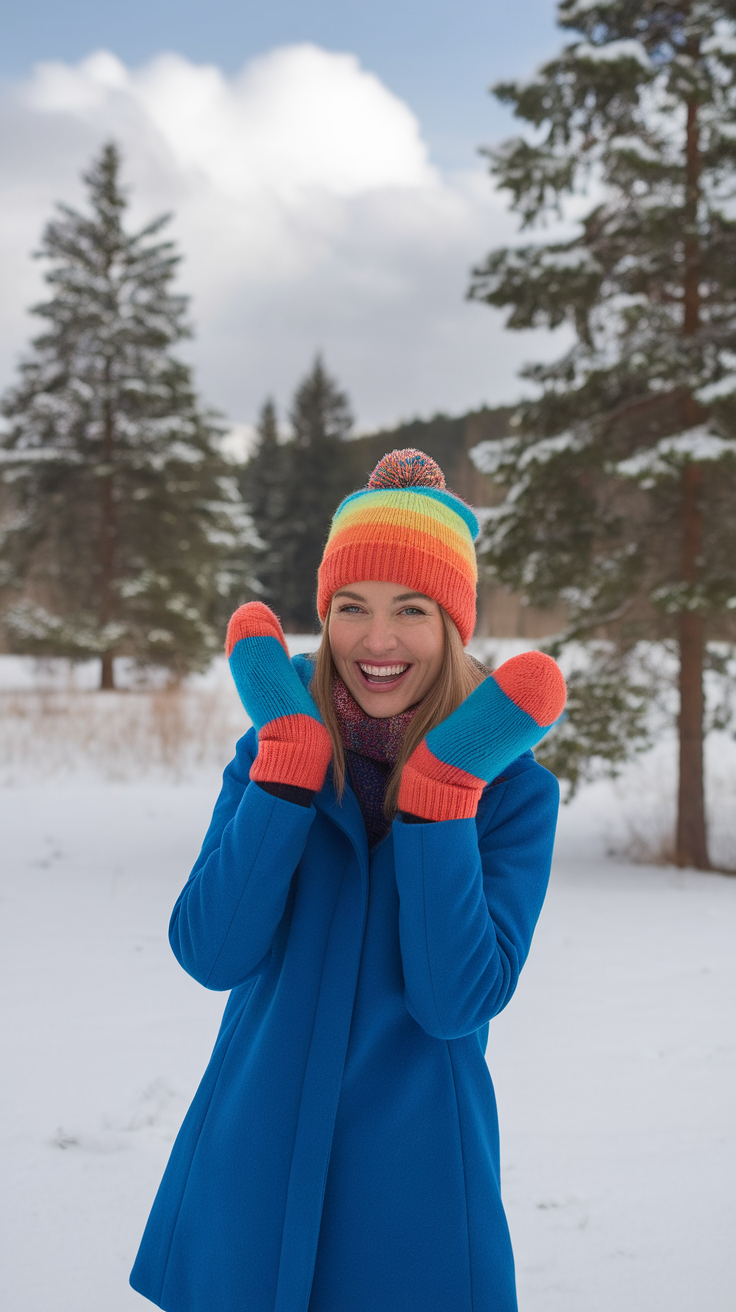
{"x": 292, "y": 491}
{"x": 127, "y": 530}
{"x": 622, "y": 470}
{"x": 263, "y": 488}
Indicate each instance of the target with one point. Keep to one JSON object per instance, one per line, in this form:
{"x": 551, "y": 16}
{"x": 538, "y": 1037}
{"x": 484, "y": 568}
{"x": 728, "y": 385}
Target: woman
{"x": 341, "y": 1153}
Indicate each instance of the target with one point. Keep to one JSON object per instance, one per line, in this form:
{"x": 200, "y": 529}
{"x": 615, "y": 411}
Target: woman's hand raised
{"x": 506, "y": 714}
{"x": 294, "y": 746}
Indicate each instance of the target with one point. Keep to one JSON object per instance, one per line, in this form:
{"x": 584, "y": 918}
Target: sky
{"x": 321, "y": 164}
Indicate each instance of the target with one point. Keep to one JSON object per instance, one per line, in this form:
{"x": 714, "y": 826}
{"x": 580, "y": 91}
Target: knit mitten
{"x": 506, "y": 714}
{"x": 294, "y": 747}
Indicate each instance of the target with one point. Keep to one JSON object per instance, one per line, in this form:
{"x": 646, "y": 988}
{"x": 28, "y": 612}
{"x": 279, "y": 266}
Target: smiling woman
{"x": 368, "y": 887}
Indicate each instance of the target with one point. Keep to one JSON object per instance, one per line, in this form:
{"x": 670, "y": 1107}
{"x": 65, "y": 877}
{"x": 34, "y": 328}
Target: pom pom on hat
{"x": 407, "y": 468}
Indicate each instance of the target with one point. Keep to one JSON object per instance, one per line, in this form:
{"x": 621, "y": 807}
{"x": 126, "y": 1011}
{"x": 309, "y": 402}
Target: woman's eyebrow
{"x": 403, "y": 596}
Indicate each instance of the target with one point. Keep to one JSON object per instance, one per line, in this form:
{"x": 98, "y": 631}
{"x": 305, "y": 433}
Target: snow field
{"x": 614, "y": 1065}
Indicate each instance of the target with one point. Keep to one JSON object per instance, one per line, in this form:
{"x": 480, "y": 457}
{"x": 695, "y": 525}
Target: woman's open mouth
{"x": 382, "y": 676}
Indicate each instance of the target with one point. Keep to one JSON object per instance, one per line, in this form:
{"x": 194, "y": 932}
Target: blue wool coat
{"x": 341, "y": 1153}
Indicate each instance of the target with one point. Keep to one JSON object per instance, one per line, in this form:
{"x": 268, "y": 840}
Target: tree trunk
{"x": 107, "y": 528}
{"x": 107, "y": 672}
{"x": 691, "y": 845}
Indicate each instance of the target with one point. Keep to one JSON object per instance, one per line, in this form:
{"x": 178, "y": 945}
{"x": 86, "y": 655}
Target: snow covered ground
{"x": 614, "y": 1065}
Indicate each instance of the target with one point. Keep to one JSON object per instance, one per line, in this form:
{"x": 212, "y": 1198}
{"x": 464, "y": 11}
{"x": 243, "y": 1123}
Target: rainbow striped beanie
{"x": 405, "y": 527}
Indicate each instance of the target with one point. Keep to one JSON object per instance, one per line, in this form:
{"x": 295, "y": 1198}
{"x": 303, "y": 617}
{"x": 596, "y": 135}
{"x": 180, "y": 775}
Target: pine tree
{"x": 292, "y": 491}
{"x": 263, "y": 488}
{"x": 127, "y": 531}
{"x": 622, "y": 470}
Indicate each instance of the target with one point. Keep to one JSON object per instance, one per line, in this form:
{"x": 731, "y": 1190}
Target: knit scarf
{"x": 372, "y": 748}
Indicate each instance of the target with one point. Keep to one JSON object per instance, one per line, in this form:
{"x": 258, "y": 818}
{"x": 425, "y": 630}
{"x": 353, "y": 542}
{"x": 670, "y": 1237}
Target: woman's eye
{"x": 412, "y": 610}
{"x": 350, "y": 610}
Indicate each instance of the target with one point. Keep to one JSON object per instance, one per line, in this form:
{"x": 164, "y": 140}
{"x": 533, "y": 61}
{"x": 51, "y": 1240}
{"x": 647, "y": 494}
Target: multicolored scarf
{"x": 372, "y": 748}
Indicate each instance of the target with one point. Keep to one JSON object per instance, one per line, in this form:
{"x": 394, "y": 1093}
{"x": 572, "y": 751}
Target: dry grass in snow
{"x": 175, "y": 733}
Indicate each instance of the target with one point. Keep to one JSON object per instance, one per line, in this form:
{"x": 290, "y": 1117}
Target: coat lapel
{"x": 346, "y": 815}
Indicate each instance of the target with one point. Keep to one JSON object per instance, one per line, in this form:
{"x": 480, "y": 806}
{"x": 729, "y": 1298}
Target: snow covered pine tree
{"x": 622, "y": 471}
{"x": 125, "y": 533}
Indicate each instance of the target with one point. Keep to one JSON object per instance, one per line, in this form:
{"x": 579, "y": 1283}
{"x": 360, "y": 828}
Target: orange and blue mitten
{"x": 504, "y": 716}
{"x": 294, "y": 747}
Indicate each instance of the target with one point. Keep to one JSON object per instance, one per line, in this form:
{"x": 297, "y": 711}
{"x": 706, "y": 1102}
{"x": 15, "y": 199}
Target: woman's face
{"x": 388, "y": 644}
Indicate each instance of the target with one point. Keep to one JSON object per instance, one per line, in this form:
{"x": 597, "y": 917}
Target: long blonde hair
{"x": 459, "y": 675}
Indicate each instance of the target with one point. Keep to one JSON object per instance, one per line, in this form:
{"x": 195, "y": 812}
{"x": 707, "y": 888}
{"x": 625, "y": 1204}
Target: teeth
{"x": 382, "y": 671}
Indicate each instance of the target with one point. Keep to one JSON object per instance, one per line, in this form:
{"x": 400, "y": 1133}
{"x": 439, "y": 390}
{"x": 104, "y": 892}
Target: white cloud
{"x": 309, "y": 213}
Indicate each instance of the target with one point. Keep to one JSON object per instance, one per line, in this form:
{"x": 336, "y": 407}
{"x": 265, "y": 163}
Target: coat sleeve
{"x": 224, "y": 921}
{"x": 470, "y": 895}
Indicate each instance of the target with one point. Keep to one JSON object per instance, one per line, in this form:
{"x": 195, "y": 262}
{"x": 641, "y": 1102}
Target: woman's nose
{"x": 380, "y": 637}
